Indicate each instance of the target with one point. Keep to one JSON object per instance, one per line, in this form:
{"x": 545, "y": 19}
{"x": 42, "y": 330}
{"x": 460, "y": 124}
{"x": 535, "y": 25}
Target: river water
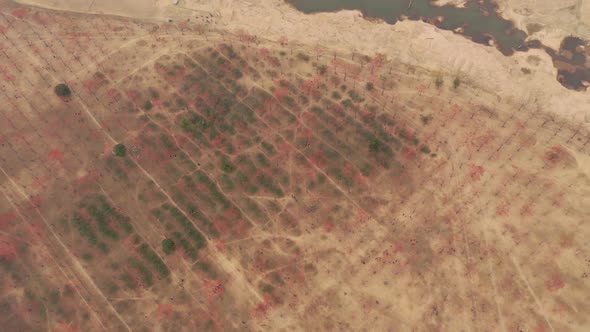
{"x": 479, "y": 21}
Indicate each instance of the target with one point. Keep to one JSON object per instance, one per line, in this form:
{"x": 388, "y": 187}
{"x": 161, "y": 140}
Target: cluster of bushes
{"x": 108, "y": 210}
{"x": 337, "y": 173}
{"x": 146, "y": 274}
{"x": 149, "y": 255}
{"x": 196, "y": 213}
{"x": 185, "y": 245}
{"x": 268, "y": 183}
{"x": 113, "y": 166}
{"x": 355, "y": 96}
{"x": 227, "y": 165}
{"x": 217, "y": 195}
{"x": 261, "y": 158}
{"x": 85, "y": 229}
{"x": 102, "y": 221}
{"x": 244, "y": 182}
{"x": 187, "y": 226}
{"x": 268, "y": 147}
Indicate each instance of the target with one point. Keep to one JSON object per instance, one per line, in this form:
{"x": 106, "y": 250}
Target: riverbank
{"x": 523, "y": 76}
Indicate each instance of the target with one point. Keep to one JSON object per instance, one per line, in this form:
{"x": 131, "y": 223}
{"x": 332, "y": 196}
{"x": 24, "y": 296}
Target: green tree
{"x": 168, "y": 246}
{"x": 456, "y": 82}
{"x": 375, "y": 145}
{"x": 62, "y": 90}
{"x": 147, "y": 105}
{"x": 370, "y": 86}
{"x": 120, "y": 150}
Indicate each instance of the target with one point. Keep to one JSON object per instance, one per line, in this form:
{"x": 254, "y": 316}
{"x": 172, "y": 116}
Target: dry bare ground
{"x": 298, "y": 195}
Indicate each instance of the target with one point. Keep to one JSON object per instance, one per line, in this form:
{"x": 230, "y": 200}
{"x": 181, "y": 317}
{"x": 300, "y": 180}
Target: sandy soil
{"x": 456, "y": 3}
{"x": 145, "y": 9}
{"x": 484, "y": 230}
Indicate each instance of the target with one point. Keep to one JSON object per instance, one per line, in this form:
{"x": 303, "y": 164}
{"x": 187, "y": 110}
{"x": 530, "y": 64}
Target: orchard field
{"x": 192, "y": 179}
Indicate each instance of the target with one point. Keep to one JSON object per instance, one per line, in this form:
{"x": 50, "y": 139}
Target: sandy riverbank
{"x": 415, "y": 43}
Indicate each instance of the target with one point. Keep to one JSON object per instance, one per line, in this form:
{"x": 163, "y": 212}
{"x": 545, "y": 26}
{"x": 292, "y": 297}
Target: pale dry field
{"x": 298, "y": 199}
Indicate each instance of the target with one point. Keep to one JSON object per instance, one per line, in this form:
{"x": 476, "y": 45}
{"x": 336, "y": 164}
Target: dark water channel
{"x": 479, "y": 21}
